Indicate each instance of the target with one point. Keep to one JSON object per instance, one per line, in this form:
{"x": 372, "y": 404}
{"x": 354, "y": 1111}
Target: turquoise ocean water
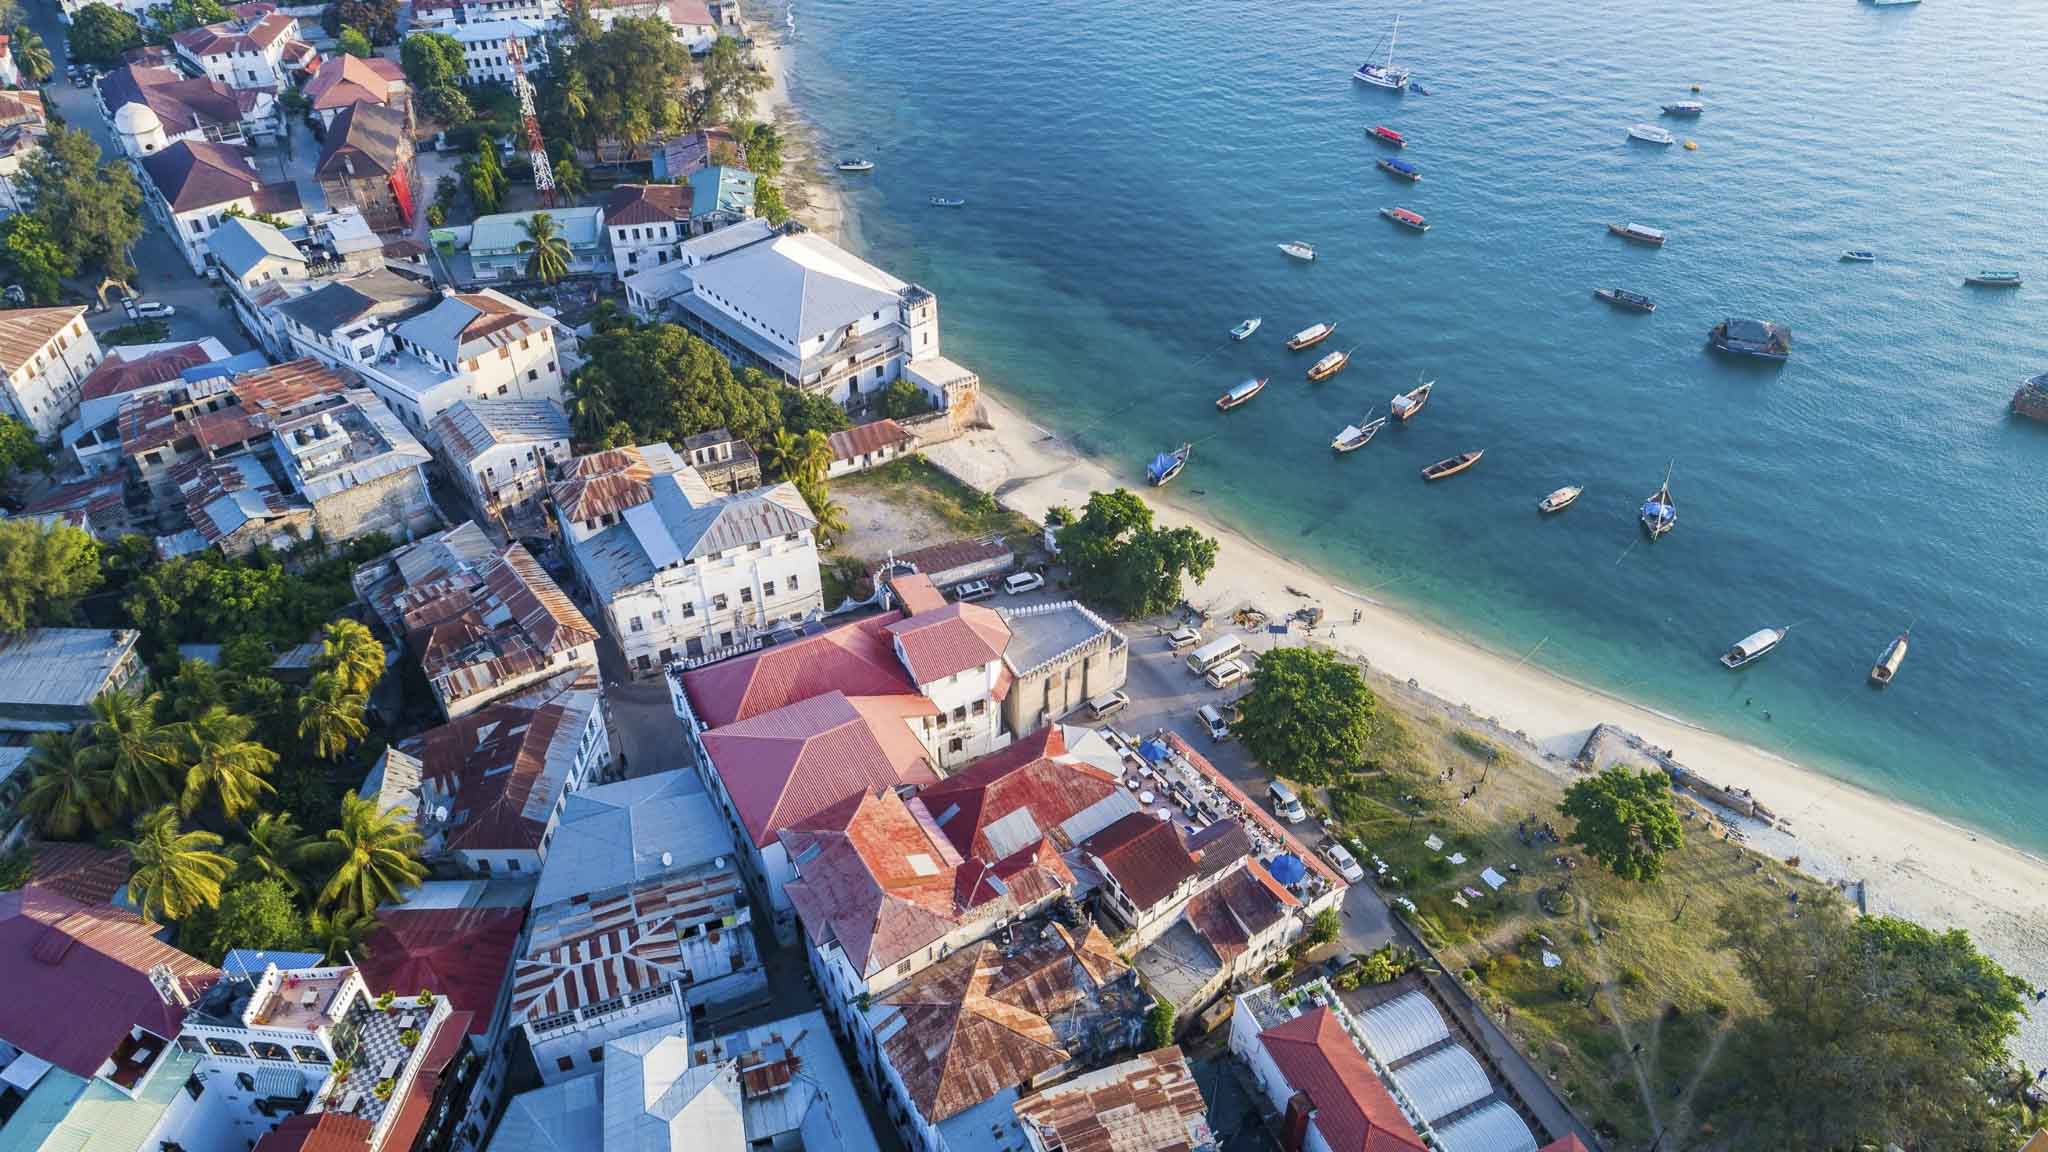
{"x": 1130, "y": 164}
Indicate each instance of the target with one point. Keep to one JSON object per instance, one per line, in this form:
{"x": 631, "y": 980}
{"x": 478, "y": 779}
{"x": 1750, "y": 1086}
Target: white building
{"x": 683, "y": 570}
{"x": 480, "y": 345}
{"x": 46, "y": 353}
{"x": 695, "y": 23}
{"x": 487, "y": 48}
{"x": 261, "y": 267}
{"x": 264, "y": 53}
{"x": 502, "y": 451}
{"x": 192, "y": 185}
{"x": 646, "y": 225}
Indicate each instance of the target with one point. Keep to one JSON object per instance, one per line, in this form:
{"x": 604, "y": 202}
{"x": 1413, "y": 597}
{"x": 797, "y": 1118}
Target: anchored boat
{"x": 1640, "y": 233}
{"x": 1625, "y": 299}
{"x": 1408, "y": 403}
{"x": 1241, "y": 394}
{"x": 1759, "y": 338}
{"x": 1406, "y": 218}
{"x": 1384, "y": 73}
{"x": 1887, "y": 665}
{"x": 1560, "y": 500}
{"x": 1299, "y": 250}
{"x": 1356, "y": 436}
{"x": 1244, "y": 331}
{"x": 858, "y": 164}
{"x": 1310, "y": 336}
{"x": 1328, "y": 366}
{"x": 1658, "y": 514}
{"x": 1994, "y": 279}
{"x": 1395, "y": 166}
{"x": 1860, "y": 256}
{"x": 1386, "y": 135}
{"x": 1685, "y": 108}
{"x": 1167, "y": 465}
{"x": 948, "y": 202}
{"x": 1651, "y": 134}
{"x": 1452, "y": 465}
{"x": 1752, "y": 647}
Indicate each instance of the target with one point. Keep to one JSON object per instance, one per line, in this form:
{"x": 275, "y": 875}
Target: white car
{"x": 1181, "y": 638}
{"x": 1341, "y": 859}
{"x": 1023, "y": 582}
{"x": 1227, "y": 673}
{"x": 973, "y": 590}
{"x": 151, "y": 310}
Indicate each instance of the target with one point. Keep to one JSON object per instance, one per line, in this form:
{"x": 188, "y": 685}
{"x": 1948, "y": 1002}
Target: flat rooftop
{"x": 1043, "y": 632}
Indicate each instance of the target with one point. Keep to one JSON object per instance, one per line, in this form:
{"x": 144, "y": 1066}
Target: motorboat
{"x": 1244, "y": 331}
{"x": 857, "y": 164}
{"x": 1640, "y": 233}
{"x": 1310, "y": 336}
{"x": 1685, "y": 108}
{"x": 1406, "y": 218}
{"x": 1625, "y": 299}
{"x": 1381, "y": 71}
{"x": 1560, "y": 500}
{"x": 948, "y": 202}
{"x": 1860, "y": 256}
{"x": 1651, "y": 134}
{"x": 1299, "y": 250}
{"x": 1759, "y": 338}
{"x": 1752, "y": 647}
{"x": 1167, "y": 465}
{"x": 1386, "y": 135}
{"x": 1408, "y": 403}
{"x": 1887, "y": 665}
{"x": 1241, "y": 394}
{"x": 1395, "y": 166}
{"x": 1658, "y": 514}
{"x": 1356, "y": 436}
{"x": 1994, "y": 279}
{"x": 1328, "y": 366}
{"x": 1452, "y": 465}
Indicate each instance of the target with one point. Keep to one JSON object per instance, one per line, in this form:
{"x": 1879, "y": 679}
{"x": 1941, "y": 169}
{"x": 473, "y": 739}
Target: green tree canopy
{"x": 810, "y": 412}
{"x": 31, "y": 55}
{"x": 1625, "y": 820}
{"x": 255, "y": 914}
{"x": 903, "y": 398}
{"x": 91, "y": 208}
{"x": 1159, "y": 1025}
{"x": 634, "y": 74}
{"x": 434, "y": 70}
{"x": 143, "y": 758}
{"x": 1309, "y": 715}
{"x": 377, "y": 20}
{"x": 38, "y": 262}
{"x": 353, "y": 42}
{"x": 1117, "y": 556}
{"x": 375, "y": 856}
{"x": 179, "y": 15}
{"x": 44, "y": 572}
{"x": 225, "y": 763}
{"x": 176, "y": 872}
{"x": 67, "y": 791}
{"x": 728, "y": 82}
{"x": 19, "y": 451}
{"x": 665, "y": 384}
{"x": 100, "y": 33}
{"x": 547, "y": 252}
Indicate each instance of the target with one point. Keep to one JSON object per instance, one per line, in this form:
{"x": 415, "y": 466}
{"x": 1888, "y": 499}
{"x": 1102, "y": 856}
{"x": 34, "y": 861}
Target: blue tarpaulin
{"x": 1152, "y": 750}
{"x": 1287, "y": 869}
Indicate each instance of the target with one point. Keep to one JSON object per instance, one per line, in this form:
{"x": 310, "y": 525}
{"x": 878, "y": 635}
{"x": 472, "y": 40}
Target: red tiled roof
{"x": 194, "y": 174}
{"x": 647, "y": 204}
{"x": 464, "y": 954}
{"x": 77, "y": 978}
{"x": 344, "y": 80}
{"x": 855, "y": 659}
{"x": 785, "y": 766}
{"x": 950, "y": 640}
{"x": 956, "y": 554}
{"x": 318, "y": 1132}
{"x": 917, "y": 593}
{"x": 1021, "y": 776}
{"x": 1573, "y": 1144}
{"x": 115, "y": 375}
{"x": 862, "y": 439}
{"x": 82, "y": 872}
{"x": 1145, "y": 855}
{"x": 1354, "y": 1111}
{"x": 875, "y": 877}
{"x": 1238, "y": 907}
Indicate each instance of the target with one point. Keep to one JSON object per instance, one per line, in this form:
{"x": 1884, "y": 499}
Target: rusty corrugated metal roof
{"x": 1149, "y": 1104}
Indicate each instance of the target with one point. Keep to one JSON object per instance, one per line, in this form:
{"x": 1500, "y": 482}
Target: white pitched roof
{"x": 798, "y": 286}
{"x": 655, "y": 1101}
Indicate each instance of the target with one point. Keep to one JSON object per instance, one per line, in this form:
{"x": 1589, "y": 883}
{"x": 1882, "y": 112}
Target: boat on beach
{"x": 1452, "y": 465}
{"x": 1356, "y": 436}
{"x": 1759, "y": 338}
{"x": 1658, "y": 514}
{"x": 1381, "y": 72}
{"x": 1640, "y": 233}
{"x": 1167, "y": 465}
{"x": 1860, "y": 256}
{"x": 1244, "y": 331}
{"x": 1685, "y": 108}
{"x": 1328, "y": 366}
{"x": 1651, "y": 134}
{"x": 1994, "y": 280}
{"x": 1752, "y": 647}
{"x": 948, "y": 202}
{"x": 1625, "y": 299}
{"x": 1299, "y": 250}
{"x": 1386, "y": 135}
{"x": 1408, "y": 403}
{"x": 857, "y": 164}
{"x": 1887, "y": 665}
{"x": 1395, "y": 166}
{"x": 1560, "y": 500}
{"x": 1406, "y": 218}
{"x": 1310, "y": 336}
{"x": 1241, "y": 394}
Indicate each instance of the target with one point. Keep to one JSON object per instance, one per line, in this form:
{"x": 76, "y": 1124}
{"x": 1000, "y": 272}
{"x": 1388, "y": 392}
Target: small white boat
{"x": 948, "y": 202}
{"x": 857, "y": 164}
{"x": 1651, "y": 134}
{"x": 1408, "y": 403}
{"x": 1356, "y": 436}
{"x": 1244, "y": 331}
{"x": 1887, "y": 666}
{"x": 1753, "y": 646}
{"x": 1561, "y": 499}
{"x": 1300, "y": 250}
{"x": 1382, "y": 72}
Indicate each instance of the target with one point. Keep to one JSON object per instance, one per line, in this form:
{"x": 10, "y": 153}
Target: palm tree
{"x": 225, "y": 761}
{"x": 591, "y": 410}
{"x": 276, "y": 850}
{"x": 68, "y": 792}
{"x": 375, "y": 853}
{"x": 568, "y": 177}
{"x": 576, "y": 96}
{"x": 31, "y": 55}
{"x": 547, "y": 257}
{"x": 348, "y": 648}
{"x": 813, "y": 458}
{"x": 831, "y": 519}
{"x": 141, "y": 755}
{"x": 331, "y": 716}
{"x": 782, "y": 450}
{"x": 339, "y": 935}
{"x": 176, "y": 872}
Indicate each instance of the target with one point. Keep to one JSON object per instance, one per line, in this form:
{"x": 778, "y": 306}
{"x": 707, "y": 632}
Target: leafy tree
{"x": 1324, "y": 928}
{"x": 763, "y": 146}
{"x": 446, "y": 103}
{"x": 1625, "y": 820}
{"x": 275, "y": 850}
{"x": 799, "y": 457}
{"x": 568, "y": 175}
{"x": 547, "y": 253}
{"x": 377, "y": 19}
{"x": 67, "y": 790}
{"x": 352, "y": 42}
{"x": 193, "y": 690}
{"x": 331, "y": 716}
{"x": 1309, "y": 715}
{"x": 255, "y": 914}
{"x": 434, "y": 70}
{"x": 485, "y": 178}
{"x": 808, "y": 411}
{"x": 19, "y": 451}
{"x": 39, "y": 263}
{"x": 831, "y": 516}
{"x": 768, "y": 203}
{"x": 166, "y": 20}
{"x": 44, "y": 572}
{"x": 142, "y": 757}
{"x": 348, "y": 648}
{"x": 633, "y": 74}
{"x": 92, "y": 208}
{"x": 31, "y": 55}
{"x": 101, "y": 33}
{"x": 175, "y": 872}
{"x": 1159, "y": 1025}
{"x": 728, "y": 82}
{"x": 665, "y": 384}
{"x": 1117, "y": 556}
{"x": 903, "y": 399}
{"x": 16, "y": 868}
{"x": 375, "y": 856}
{"x": 339, "y": 935}
{"x": 225, "y": 762}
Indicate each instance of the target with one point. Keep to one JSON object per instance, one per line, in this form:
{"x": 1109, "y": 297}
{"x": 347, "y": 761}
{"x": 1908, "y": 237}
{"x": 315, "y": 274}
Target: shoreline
{"x": 807, "y": 189}
{"x": 1912, "y": 863}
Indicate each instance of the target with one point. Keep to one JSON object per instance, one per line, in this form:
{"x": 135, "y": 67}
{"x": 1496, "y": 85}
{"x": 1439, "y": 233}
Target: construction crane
{"x": 543, "y": 172}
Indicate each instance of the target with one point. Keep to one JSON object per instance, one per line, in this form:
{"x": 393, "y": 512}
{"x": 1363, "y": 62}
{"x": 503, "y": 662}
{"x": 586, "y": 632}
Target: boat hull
{"x": 1445, "y": 469}
{"x": 1416, "y": 399}
{"x": 1304, "y": 340}
{"x": 1387, "y": 136}
{"x": 1411, "y": 222}
{"x": 1992, "y": 281}
{"x": 1244, "y": 331}
{"x": 1328, "y": 367}
{"x": 1395, "y": 170}
{"x": 1887, "y": 666}
{"x": 1379, "y": 79}
{"x": 1653, "y": 239}
{"x": 1627, "y": 302}
{"x": 1237, "y": 399}
{"x": 1559, "y": 500}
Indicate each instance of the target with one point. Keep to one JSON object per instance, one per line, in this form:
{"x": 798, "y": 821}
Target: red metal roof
{"x": 875, "y": 877}
{"x": 1021, "y": 776}
{"x": 118, "y": 375}
{"x": 318, "y": 1132}
{"x": 647, "y": 204}
{"x": 855, "y": 659}
{"x": 1573, "y": 1144}
{"x": 785, "y": 766}
{"x": 862, "y": 439}
{"x": 1147, "y": 1104}
{"x": 82, "y": 872}
{"x": 950, "y": 640}
{"x": 1145, "y": 855}
{"x": 917, "y": 593}
{"x": 1354, "y": 1111}
{"x": 464, "y": 954}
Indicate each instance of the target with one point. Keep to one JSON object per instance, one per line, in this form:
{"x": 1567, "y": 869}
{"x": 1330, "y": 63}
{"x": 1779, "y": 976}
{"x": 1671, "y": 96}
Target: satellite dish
{"x": 441, "y": 813}
{"x": 668, "y": 859}
{"x": 718, "y": 863}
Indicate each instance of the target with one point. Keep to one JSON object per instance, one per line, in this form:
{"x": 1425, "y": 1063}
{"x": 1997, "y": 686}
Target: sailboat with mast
{"x": 1659, "y": 514}
{"x": 1384, "y": 73}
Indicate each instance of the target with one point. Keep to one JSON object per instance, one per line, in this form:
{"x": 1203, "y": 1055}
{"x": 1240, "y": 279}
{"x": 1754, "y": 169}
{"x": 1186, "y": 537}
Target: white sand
{"x": 809, "y": 186}
{"x": 1916, "y": 865}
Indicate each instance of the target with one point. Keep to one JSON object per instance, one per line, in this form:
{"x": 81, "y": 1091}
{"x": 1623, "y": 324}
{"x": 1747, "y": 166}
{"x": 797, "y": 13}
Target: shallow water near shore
{"x": 1130, "y": 166}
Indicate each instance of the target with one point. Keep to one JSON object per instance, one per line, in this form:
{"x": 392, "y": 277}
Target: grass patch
{"x": 966, "y": 511}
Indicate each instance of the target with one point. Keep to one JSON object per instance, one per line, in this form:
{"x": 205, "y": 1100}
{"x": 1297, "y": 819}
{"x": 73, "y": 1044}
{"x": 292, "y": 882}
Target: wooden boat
{"x": 1859, "y": 256}
{"x": 1759, "y": 338}
{"x": 1651, "y": 134}
{"x": 1408, "y": 403}
{"x": 1994, "y": 279}
{"x": 1625, "y": 299}
{"x": 1395, "y": 166}
{"x": 1406, "y": 218}
{"x": 1452, "y": 465}
{"x": 1241, "y": 394}
{"x": 1310, "y": 336}
{"x": 858, "y": 164}
{"x": 948, "y": 202}
{"x": 1658, "y": 514}
{"x": 1299, "y": 250}
{"x": 1356, "y": 436}
{"x": 1167, "y": 465}
{"x": 1887, "y": 665}
{"x": 1685, "y": 108}
{"x": 1640, "y": 233}
{"x": 1753, "y": 647}
{"x": 1244, "y": 331}
{"x": 1560, "y": 500}
{"x": 1328, "y": 366}
{"x": 1386, "y": 135}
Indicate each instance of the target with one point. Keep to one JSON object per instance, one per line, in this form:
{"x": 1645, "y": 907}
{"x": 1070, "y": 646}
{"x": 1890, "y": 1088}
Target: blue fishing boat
{"x": 1397, "y": 167}
{"x": 1759, "y": 338}
{"x": 1167, "y": 465}
{"x": 1659, "y": 514}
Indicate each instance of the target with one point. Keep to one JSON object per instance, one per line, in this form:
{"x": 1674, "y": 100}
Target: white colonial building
{"x": 502, "y": 451}
{"x": 193, "y": 185}
{"x": 46, "y": 353}
{"x": 261, "y": 53}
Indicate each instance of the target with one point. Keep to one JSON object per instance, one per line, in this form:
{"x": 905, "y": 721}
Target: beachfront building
{"x": 866, "y": 446}
{"x": 264, "y": 52}
{"x": 502, "y": 452}
{"x": 1060, "y": 656}
{"x": 696, "y": 23}
{"x": 721, "y": 195}
{"x": 345, "y": 81}
{"x": 684, "y": 571}
{"x": 1150, "y": 1103}
{"x": 192, "y": 185}
{"x": 487, "y": 48}
{"x": 646, "y": 225}
{"x": 45, "y": 354}
{"x": 682, "y": 156}
{"x": 368, "y": 165}
{"x": 49, "y": 676}
{"x": 494, "y": 242}
{"x": 150, "y": 107}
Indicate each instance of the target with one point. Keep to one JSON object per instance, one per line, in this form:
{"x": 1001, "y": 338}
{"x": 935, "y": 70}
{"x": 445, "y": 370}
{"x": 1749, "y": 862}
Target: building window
{"x": 689, "y": 611}
{"x": 746, "y": 595}
{"x": 959, "y": 714}
{"x": 767, "y": 588}
{"x": 634, "y": 626}
{"x": 718, "y": 602}
{"x": 792, "y": 583}
{"x": 512, "y": 864}
{"x": 955, "y": 744}
{"x": 566, "y": 1063}
{"x": 597, "y": 1055}
{"x": 980, "y": 706}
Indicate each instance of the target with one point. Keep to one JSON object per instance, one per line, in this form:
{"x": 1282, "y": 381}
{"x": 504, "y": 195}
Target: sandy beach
{"x": 1914, "y": 864}
{"x": 808, "y": 186}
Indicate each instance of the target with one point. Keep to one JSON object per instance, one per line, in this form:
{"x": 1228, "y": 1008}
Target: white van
{"x": 1108, "y": 704}
{"x": 1285, "y": 803}
{"x": 1212, "y": 719}
{"x": 1213, "y": 653}
{"x": 1023, "y": 582}
{"x": 1227, "y": 673}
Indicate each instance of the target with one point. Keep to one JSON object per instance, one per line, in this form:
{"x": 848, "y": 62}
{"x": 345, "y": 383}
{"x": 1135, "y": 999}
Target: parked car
{"x": 1227, "y": 673}
{"x": 1108, "y": 704}
{"x": 973, "y": 590}
{"x": 1212, "y": 719}
{"x": 1181, "y": 638}
{"x": 152, "y": 310}
{"x": 1023, "y": 582}
{"x": 1341, "y": 859}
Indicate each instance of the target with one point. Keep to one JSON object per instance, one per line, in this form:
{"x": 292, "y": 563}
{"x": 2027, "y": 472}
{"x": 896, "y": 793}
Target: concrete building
{"x": 494, "y": 242}
{"x": 192, "y": 185}
{"x": 646, "y": 225}
{"x": 358, "y": 467}
{"x": 681, "y": 157}
{"x": 502, "y": 453}
{"x": 368, "y": 165}
{"x": 487, "y": 48}
{"x": 150, "y": 107}
{"x": 721, "y": 195}
{"x": 345, "y": 81}
{"x": 725, "y": 461}
{"x": 1147, "y": 1104}
{"x": 682, "y": 570}
{"x": 124, "y": 373}
{"x": 869, "y": 445}
{"x": 45, "y": 354}
{"x": 265, "y": 52}
{"x": 49, "y": 676}
{"x": 23, "y": 128}
{"x": 261, "y": 269}
{"x": 348, "y": 323}
{"x": 1060, "y": 656}
{"x": 477, "y": 346}
{"x": 694, "y": 22}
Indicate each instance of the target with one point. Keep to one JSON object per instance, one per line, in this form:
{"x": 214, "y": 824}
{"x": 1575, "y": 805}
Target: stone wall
{"x": 397, "y": 505}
